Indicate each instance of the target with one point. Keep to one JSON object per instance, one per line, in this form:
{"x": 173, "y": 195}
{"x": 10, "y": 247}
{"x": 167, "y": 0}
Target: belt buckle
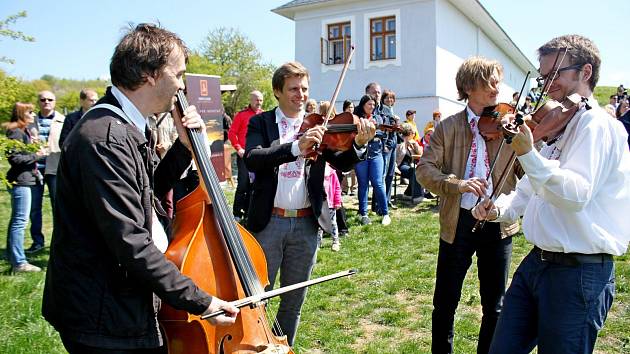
{"x": 290, "y": 213}
{"x": 542, "y": 256}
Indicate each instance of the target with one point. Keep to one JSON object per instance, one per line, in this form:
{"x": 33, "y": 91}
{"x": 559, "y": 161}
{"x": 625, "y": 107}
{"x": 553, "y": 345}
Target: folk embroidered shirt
{"x": 478, "y": 163}
{"x": 576, "y": 192}
{"x": 291, "y": 192}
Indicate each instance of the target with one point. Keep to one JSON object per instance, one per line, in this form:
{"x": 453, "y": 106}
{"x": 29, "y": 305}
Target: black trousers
{"x": 493, "y": 262}
{"x": 243, "y": 190}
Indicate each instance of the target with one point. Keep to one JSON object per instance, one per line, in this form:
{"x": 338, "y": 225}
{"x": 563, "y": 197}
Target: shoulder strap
{"x": 119, "y": 112}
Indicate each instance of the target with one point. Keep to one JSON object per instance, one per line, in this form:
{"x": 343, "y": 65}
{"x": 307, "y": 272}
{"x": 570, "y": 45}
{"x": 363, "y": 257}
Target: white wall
{"x": 457, "y": 39}
{"x": 434, "y": 38}
{"x": 415, "y": 62}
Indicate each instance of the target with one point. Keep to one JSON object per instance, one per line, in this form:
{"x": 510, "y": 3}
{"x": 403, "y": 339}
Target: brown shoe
{"x": 26, "y": 267}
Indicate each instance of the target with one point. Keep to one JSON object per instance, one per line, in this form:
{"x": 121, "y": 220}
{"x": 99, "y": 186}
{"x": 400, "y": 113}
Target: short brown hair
{"x": 143, "y": 52}
{"x": 580, "y": 51}
{"x": 286, "y": 70}
{"x": 84, "y": 92}
{"x": 386, "y": 94}
{"x": 473, "y": 72}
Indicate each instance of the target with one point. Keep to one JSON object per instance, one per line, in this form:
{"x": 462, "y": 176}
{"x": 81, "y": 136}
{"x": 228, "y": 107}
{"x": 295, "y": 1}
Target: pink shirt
{"x": 332, "y": 187}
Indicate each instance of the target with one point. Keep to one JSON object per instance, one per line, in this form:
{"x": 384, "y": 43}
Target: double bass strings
{"x": 231, "y": 235}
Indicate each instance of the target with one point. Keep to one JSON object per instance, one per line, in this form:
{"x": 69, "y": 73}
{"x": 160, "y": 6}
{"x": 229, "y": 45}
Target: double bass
{"x": 223, "y": 259}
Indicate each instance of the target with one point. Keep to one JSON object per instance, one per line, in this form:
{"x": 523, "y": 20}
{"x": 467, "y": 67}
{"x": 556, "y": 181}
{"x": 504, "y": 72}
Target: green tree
{"x": 13, "y": 90}
{"x": 5, "y": 31}
{"x": 231, "y": 55}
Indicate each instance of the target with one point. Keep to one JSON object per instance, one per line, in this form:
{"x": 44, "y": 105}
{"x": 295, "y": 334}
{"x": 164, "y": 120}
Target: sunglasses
{"x": 543, "y": 78}
{"x": 46, "y": 99}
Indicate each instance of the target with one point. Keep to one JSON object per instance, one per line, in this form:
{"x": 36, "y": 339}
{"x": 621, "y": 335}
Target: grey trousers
{"x": 290, "y": 245}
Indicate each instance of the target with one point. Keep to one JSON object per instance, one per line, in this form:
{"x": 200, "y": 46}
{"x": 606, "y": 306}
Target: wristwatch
{"x": 356, "y": 146}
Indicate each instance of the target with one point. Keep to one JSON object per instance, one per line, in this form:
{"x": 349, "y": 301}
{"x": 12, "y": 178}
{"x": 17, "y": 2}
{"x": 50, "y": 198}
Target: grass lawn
{"x": 385, "y": 308}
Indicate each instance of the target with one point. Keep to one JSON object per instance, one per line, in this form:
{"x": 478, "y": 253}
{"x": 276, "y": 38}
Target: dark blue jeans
{"x": 36, "y": 207}
{"x": 389, "y": 169}
{"x": 414, "y": 188}
{"x": 371, "y": 171}
{"x": 557, "y": 307}
{"x": 493, "y": 263}
{"x": 290, "y": 246}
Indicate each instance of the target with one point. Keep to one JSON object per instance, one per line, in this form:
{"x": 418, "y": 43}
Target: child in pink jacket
{"x": 333, "y": 193}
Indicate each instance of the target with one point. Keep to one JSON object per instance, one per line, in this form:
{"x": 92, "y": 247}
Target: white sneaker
{"x": 336, "y": 245}
{"x": 386, "y": 220}
{"x": 26, "y": 267}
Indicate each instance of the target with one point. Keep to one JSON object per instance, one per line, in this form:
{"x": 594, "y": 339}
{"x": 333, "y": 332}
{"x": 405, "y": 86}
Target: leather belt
{"x": 292, "y": 213}
{"x": 571, "y": 259}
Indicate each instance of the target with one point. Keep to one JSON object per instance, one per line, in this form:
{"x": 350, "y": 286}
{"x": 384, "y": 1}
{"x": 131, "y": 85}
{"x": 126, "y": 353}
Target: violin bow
{"x": 255, "y": 299}
{"x": 480, "y": 223}
{"x": 346, "y": 65}
{"x": 496, "y": 157}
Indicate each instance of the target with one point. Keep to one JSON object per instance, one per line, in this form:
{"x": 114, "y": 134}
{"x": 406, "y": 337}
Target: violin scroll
{"x": 490, "y": 126}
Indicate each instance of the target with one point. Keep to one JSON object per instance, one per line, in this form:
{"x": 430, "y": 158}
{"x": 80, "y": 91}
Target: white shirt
{"x": 575, "y": 196}
{"x": 291, "y": 192}
{"x": 478, "y": 163}
{"x": 130, "y": 110}
{"x": 135, "y": 117}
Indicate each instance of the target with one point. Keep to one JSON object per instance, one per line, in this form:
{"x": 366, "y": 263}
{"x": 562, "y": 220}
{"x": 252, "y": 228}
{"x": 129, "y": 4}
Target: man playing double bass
{"x": 287, "y": 193}
{"x": 574, "y": 199}
{"x": 106, "y": 275}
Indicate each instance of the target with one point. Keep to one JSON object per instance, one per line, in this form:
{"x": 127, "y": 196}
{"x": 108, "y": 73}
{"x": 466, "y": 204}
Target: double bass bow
{"x": 223, "y": 259}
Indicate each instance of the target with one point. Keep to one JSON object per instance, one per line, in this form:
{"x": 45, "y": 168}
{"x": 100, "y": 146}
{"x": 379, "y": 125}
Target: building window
{"x": 336, "y": 46}
{"x": 383, "y": 38}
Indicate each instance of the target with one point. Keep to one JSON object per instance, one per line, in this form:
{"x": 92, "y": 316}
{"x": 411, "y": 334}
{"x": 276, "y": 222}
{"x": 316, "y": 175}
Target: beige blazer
{"x": 443, "y": 165}
{"x": 54, "y": 150}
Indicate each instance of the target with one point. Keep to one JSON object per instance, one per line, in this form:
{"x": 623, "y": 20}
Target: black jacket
{"x": 264, "y": 154}
{"x": 104, "y": 269}
{"x": 71, "y": 120}
{"x": 625, "y": 120}
{"x": 23, "y": 170}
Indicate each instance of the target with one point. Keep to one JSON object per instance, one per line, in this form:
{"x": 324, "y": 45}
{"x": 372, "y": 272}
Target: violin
{"x": 340, "y": 133}
{"x": 550, "y": 120}
{"x": 489, "y": 124}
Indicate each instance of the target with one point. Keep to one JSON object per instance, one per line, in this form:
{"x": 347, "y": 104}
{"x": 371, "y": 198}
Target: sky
{"x": 75, "y": 39}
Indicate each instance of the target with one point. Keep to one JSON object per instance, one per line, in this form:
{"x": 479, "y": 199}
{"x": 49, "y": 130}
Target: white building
{"x": 413, "y": 47}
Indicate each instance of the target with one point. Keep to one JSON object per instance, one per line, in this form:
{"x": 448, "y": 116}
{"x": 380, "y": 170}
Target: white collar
{"x": 130, "y": 110}
{"x": 280, "y": 115}
{"x": 471, "y": 114}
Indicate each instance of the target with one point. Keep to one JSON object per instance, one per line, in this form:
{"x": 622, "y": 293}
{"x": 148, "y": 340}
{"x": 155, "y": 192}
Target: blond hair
{"x": 323, "y": 108}
{"x": 476, "y": 72}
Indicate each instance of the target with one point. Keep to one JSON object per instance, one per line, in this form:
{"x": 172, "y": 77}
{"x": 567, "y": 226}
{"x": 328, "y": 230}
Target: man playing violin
{"x": 573, "y": 199}
{"x": 288, "y": 197}
{"x": 105, "y": 272}
{"x": 456, "y": 166}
